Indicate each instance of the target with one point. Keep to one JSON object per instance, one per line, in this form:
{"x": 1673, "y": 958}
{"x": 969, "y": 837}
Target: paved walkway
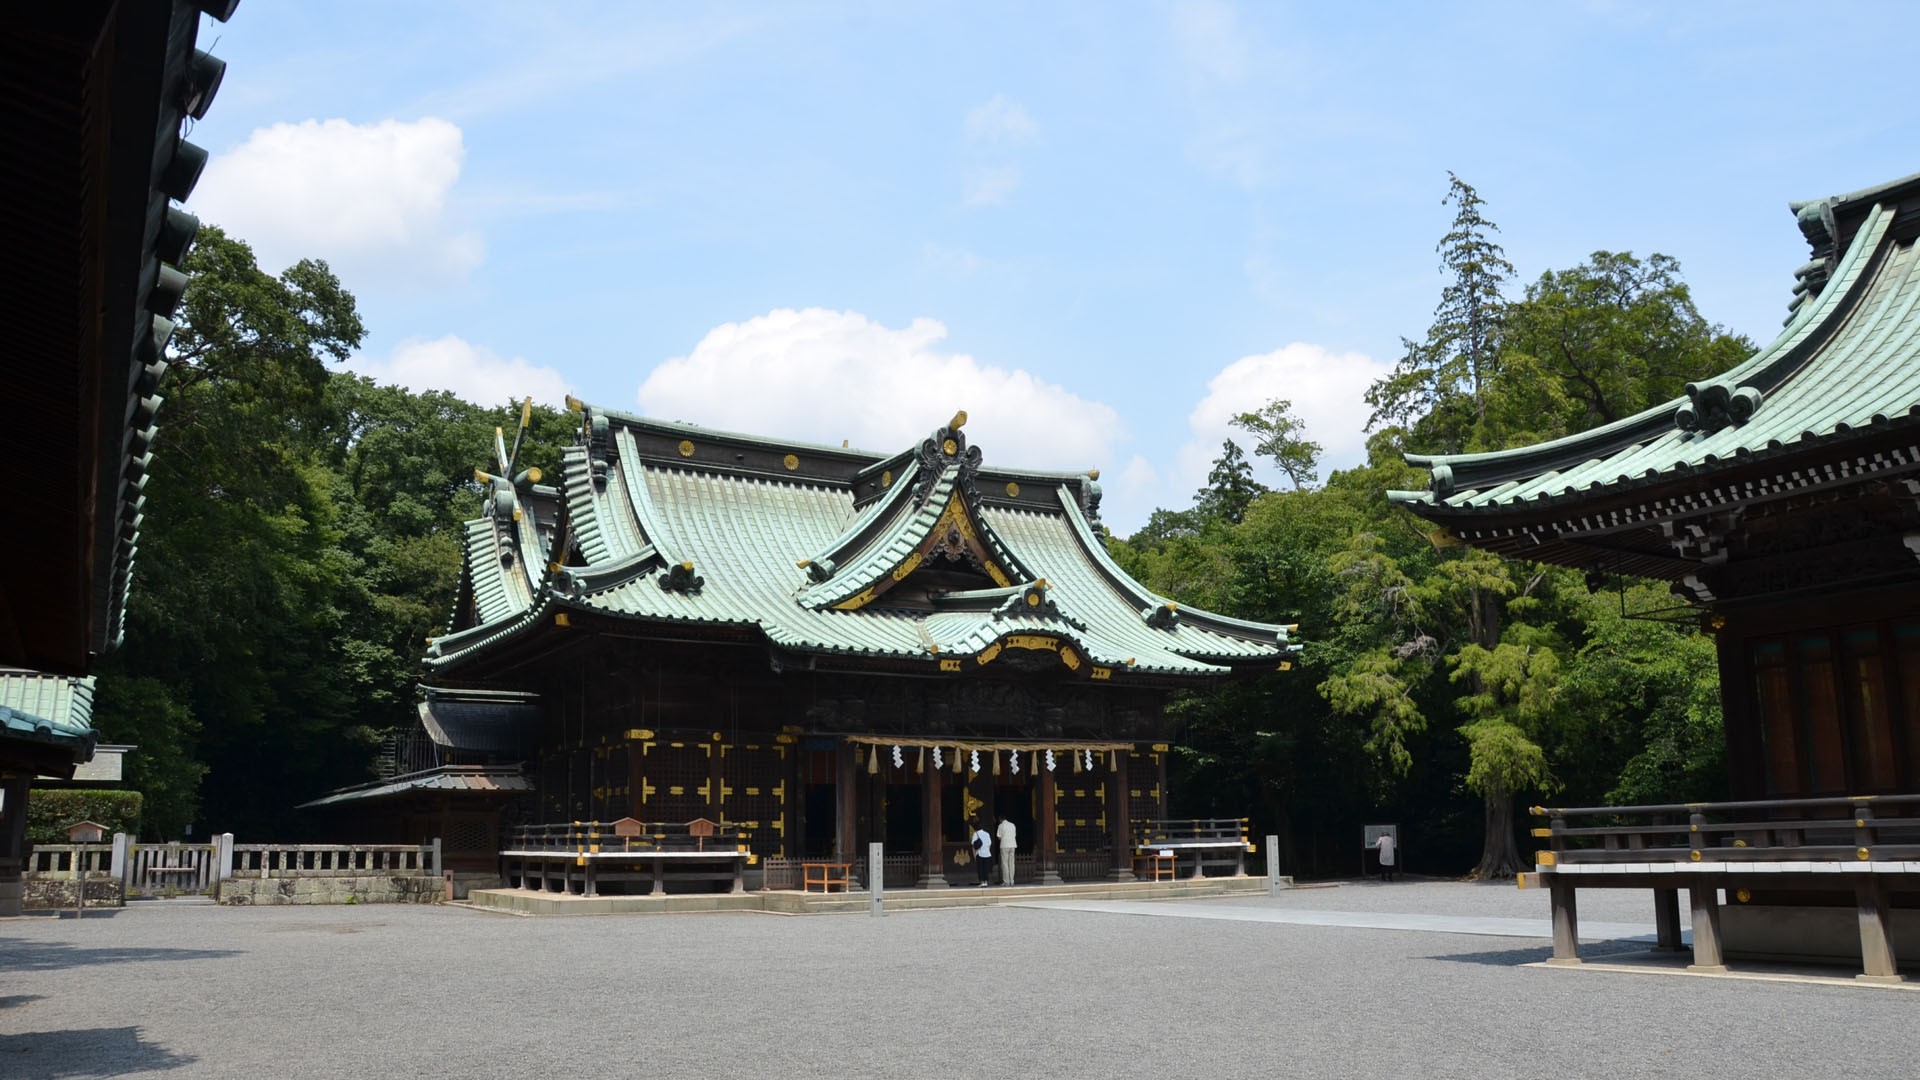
{"x": 1355, "y": 981}
{"x": 1481, "y": 926}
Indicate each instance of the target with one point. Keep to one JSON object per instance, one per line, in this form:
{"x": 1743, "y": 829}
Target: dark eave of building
{"x": 94, "y": 94}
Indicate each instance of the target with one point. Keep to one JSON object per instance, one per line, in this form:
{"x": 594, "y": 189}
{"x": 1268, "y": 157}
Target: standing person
{"x": 1384, "y": 845}
{"x": 1009, "y": 843}
{"x": 982, "y": 851}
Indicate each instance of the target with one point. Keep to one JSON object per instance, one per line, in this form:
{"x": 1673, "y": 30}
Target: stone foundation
{"x": 41, "y": 894}
{"x": 331, "y": 890}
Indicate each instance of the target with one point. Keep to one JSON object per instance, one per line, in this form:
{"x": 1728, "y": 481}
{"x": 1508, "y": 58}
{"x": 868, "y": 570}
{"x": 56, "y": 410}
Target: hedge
{"x": 51, "y": 810}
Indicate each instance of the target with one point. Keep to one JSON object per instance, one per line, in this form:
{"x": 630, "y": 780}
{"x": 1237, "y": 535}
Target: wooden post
{"x": 1566, "y": 920}
{"x": 1046, "y": 852}
{"x": 1273, "y": 865}
{"x": 1121, "y": 828}
{"x": 933, "y": 869}
{"x": 13, "y": 843}
{"x": 1666, "y": 919}
{"x": 876, "y": 878}
{"x": 1706, "y": 929}
{"x": 844, "y": 797}
{"x": 1876, "y": 939}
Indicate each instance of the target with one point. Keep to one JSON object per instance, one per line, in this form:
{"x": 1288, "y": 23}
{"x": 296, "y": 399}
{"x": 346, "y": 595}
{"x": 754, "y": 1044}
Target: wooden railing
{"x": 337, "y": 860}
{"x": 577, "y": 836}
{"x": 1190, "y": 831}
{"x": 1858, "y": 828}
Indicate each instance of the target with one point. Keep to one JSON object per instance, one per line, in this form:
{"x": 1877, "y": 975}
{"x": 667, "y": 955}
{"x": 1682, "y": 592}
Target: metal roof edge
{"x": 1768, "y": 368}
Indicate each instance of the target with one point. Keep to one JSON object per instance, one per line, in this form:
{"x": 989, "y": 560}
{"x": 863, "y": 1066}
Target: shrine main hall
{"x": 814, "y": 647}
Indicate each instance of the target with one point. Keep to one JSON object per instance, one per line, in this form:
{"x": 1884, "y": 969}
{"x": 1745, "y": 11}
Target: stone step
{"x": 789, "y": 902}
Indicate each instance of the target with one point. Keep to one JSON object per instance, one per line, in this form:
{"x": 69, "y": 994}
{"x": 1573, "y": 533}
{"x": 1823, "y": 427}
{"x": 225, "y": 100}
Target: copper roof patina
{"x": 53, "y": 711}
{"x": 828, "y": 551}
{"x": 1842, "y": 381}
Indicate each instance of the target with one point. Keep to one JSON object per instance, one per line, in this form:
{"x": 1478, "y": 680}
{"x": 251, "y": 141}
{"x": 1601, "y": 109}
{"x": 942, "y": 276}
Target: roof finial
{"x": 959, "y": 421}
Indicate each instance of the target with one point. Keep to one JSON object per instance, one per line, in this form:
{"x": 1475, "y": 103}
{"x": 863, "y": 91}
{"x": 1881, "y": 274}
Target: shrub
{"x": 51, "y": 810}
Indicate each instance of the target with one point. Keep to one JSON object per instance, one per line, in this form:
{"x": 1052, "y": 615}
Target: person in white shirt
{"x": 1009, "y": 838}
{"x": 1384, "y": 845}
{"x": 982, "y": 852}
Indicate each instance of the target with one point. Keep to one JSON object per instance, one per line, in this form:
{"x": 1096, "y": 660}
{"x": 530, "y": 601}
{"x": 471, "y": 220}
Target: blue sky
{"x": 1102, "y": 229}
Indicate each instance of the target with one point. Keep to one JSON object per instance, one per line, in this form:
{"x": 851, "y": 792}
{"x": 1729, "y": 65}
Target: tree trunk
{"x": 1500, "y": 856}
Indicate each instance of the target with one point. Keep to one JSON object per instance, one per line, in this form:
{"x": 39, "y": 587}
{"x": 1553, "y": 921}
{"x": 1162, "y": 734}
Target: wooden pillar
{"x": 1121, "y": 828}
{"x": 1566, "y": 920}
{"x": 1666, "y": 919}
{"x": 933, "y": 866}
{"x": 1706, "y": 929}
{"x": 845, "y": 802}
{"x": 13, "y": 842}
{"x": 793, "y": 801}
{"x": 1046, "y": 852}
{"x": 1876, "y": 939}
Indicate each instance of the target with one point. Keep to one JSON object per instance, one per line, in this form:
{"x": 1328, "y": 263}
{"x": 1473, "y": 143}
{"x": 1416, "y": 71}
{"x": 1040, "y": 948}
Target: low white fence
{"x": 127, "y": 868}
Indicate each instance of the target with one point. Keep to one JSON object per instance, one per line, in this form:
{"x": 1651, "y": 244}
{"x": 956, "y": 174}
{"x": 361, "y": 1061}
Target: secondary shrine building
{"x": 1782, "y": 501}
{"x": 818, "y": 646}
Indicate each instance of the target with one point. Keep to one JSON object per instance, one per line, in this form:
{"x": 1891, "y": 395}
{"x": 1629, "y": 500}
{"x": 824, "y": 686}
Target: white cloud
{"x": 1211, "y": 40}
{"x": 990, "y": 187}
{"x": 473, "y": 372}
{"x": 1001, "y": 120}
{"x": 1326, "y": 390}
{"x": 371, "y": 199}
{"x": 827, "y": 376}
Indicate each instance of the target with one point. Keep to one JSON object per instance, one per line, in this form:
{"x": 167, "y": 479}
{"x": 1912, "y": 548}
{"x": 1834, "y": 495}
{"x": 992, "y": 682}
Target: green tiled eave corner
{"x": 49, "y": 709}
{"x": 1846, "y": 366}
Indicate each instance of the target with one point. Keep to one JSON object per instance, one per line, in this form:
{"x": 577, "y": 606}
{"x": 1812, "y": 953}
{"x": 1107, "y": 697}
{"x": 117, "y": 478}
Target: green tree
{"x": 1442, "y": 380}
{"x": 1601, "y": 342}
{"x": 234, "y": 622}
{"x": 1283, "y": 437}
{"x": 1230, "y": 488}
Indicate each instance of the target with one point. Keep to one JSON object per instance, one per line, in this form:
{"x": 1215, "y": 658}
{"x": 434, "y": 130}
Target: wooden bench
{"x": 826, "y": 875}
{"x": 1219, "y": 843}
{"x": 156, "y": 874}
{"x": 625, "y": 851}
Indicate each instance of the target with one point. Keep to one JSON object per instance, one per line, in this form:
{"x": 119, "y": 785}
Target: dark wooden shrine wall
{"x": 1822, "y": 695}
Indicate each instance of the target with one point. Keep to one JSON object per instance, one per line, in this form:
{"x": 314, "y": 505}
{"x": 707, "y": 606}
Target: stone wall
{"x": 44, "y": 893}
{"x": 331, "y": 890}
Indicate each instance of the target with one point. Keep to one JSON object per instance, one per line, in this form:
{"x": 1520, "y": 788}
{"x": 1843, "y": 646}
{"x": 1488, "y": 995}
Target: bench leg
{"x": 1666, "y": 919}
{"x": 1707, "y": 956}
{"x": 1566, "y": 921}
{"x": 1876, "y": 942}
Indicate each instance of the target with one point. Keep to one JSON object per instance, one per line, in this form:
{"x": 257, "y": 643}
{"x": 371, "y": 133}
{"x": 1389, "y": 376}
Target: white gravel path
{"x": 399, "y": 991}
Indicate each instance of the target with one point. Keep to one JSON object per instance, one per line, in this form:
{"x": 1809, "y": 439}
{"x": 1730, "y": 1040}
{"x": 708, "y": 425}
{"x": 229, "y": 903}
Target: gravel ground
{"x": 398, "y": 991}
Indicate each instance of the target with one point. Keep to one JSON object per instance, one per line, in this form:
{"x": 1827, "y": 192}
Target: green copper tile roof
{"x": 1846, "y": 366}
{"x": 51, "y": 709}
{"x": 745, "y": 530}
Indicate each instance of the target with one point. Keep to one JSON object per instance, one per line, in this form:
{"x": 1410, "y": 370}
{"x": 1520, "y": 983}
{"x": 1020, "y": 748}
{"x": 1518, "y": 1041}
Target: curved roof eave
{"x": 1462, "y": 481}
